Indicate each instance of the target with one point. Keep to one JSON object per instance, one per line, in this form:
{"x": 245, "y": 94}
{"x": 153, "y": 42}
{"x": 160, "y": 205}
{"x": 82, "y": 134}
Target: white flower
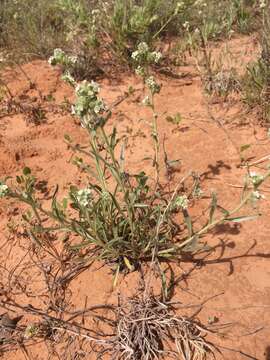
{"x": 59, "y": 57}
{"x": 153, "y": 86}
{"x": 157, "y": 56}
{"x": 262, "y": 4}
{"x": 179, "y": 5}
{"x": 141, "y": 52}
{"x": 181, "y": 202}
{"x": 88, "y": 104}
{"x": 73, "y": 59}
{"x": 99, "y": 107}
{"x": 257, "y": 195}
{"x": 256, "y": 178}
{"x": 135, "y": 55}
{"x": 95, "y": 12}
{"x": 84, "y": 197}
{"x": 51, "y": 60}
{"x": 146, "y": 101}
{"x": 143, "y": 47}
{"x": 186, "y": 25}
{"x": 4, "y": 190}
{"x": 30, "y": 331}
{"x": 140, "y": 71}
{"x": 68, "y": 78}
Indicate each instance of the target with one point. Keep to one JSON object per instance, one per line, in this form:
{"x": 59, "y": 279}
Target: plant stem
{"x": 98, "y": 167}
{"x": 156, "y": 140}
{"x": 213, "y": 223}
{"x": 117, "y": 175}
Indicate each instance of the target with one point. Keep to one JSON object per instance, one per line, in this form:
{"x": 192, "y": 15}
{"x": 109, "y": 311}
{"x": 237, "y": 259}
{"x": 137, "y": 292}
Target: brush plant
{"x": 119, "y": 217}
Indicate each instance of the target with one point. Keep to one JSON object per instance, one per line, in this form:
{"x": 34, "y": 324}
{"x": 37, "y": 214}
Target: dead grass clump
{"x": 147, "y": 329}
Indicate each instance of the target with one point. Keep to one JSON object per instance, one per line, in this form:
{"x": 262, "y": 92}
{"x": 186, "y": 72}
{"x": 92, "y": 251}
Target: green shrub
{"x": 256, "y": 82}
{"x": 32, "y": 27}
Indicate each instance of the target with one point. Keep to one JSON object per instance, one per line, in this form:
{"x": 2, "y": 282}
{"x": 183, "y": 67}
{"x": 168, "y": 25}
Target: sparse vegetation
{"x": 127, "y": 221}
{"x": 257, "y": 79}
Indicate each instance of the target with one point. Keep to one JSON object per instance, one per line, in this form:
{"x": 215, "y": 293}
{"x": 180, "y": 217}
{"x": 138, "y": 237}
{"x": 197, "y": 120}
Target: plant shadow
{"x": 267, "y": 353}
{"x": 202, "y": 261}
{"x": 231, "y": 229}
{"x": 215, "y": 169}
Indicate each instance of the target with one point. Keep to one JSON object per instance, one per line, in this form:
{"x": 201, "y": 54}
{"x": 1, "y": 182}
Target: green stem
{"x": 156, "y": 139}
{"x": 118, "y": 178}
{"x": 97, "y": 161}
{"x": 163, "y": 26}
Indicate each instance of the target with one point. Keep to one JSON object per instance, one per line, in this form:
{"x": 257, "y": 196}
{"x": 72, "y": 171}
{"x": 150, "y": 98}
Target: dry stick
{"x": 7, "y": 88}
{"x": 221, "y": 126}
{"x": 215, "y": 120}
{"x": 255, "y": 331}
{"x": 242, "y": 187}
{"x": 238, "y": 352}
{"x": 85, "y": 336}
{"x": 61, "y": 324}
{"x": 263, "y": 159}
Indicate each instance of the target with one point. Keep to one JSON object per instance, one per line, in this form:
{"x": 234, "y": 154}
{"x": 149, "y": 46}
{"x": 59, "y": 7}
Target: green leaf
{"x": 113, "y": 141}
{"x": 65, "y": 203}
{"x": 173, "y": 163}
{"x": 141, "y": 205}
{"x": 224, "y": 211}
{"x": 26, "y": 171}
{"x": 176, "y": 119}
{"x": 67, "y": 138}
{"x": 147, "y": 158}
{"x": 193, "y": 246}
{"x": 243, "y": 218}
{"x": 244, "y": 147}
{"x": 213, "y": 207}
{"x": 188, "y": 222}
{"x": 164, "y": 284}
{"x": 128, "y": 264}
{"x": 115, "y": 278}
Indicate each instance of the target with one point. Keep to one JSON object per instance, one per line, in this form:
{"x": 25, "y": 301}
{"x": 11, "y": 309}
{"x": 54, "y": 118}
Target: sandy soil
{"x": 238, "y": 272}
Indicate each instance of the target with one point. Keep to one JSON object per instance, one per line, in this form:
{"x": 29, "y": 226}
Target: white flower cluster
{"x": 143, "y": 55}
{"x": 181, "y": 202}
{"x": 88, "y": 105}
{"x": 84, "y": 196}
{"x": 4, "y": 190}
{"x": 256, "y": 195}
{"x": 140, "y": 71}
{"x": 141, "y": 52}
{"x": 178, "y": 7}
{"x": 156, "y": 56}
{"x": 256, "y": 179}
{"x": 30, "y": 331}
{"x": 146, "y": 101}
{"x": 68, "y": 78}
{"x": 186, "y": 25}
{"x": 153, "y": 86}
{"x": 198, "y": 192}
{"x": 95, "y": 12}
{"x": 262, "y": 4}
{"x": 59, "y": 57}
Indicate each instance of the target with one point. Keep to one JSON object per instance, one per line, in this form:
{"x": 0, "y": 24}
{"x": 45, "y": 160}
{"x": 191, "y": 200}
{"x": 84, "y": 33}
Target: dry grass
{"x": 147, "y": 329}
